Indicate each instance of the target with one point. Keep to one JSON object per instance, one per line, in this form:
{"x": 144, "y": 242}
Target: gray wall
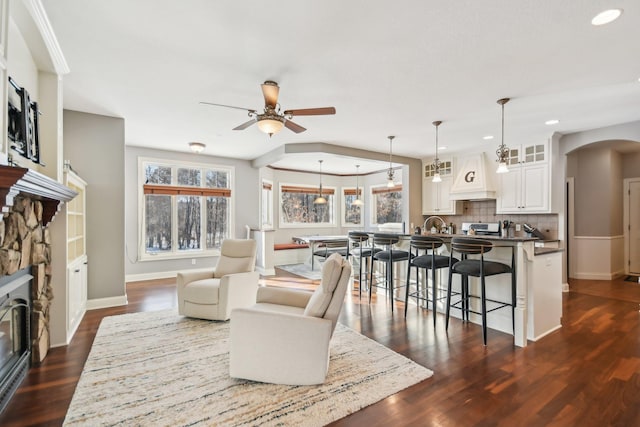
{"x": 247, "y": 191}
{"x": 598, "y": 177}
{"x": 94, "y": 145}
{"x": 631, "y": 165}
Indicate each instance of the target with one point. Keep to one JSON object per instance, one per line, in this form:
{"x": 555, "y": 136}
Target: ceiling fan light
{"x": 197, "y": 147}
{"x": 270, "y": 125}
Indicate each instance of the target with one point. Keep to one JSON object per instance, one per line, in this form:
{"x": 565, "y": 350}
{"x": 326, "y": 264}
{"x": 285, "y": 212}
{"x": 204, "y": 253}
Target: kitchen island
{"x": 538, "y": 308}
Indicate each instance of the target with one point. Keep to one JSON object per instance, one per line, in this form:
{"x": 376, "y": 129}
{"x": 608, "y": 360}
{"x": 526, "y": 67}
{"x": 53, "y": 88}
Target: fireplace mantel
{"x": 15, "y": 180}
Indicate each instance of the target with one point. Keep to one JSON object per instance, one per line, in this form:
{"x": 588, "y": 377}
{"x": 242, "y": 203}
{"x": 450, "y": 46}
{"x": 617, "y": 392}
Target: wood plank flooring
{"x": 587, "y": 373}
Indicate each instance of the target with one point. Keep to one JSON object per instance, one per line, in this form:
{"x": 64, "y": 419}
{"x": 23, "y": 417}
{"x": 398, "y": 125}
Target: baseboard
{"x": 546, "y": 333}
{"x": 94, "y": 304}
{"x": 150, "y": 276}
{"x": 594, "y": 276}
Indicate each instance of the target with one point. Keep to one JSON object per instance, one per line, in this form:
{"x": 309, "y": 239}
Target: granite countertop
{"x": 480, "y": 236}
{"x": 516, "y": 239}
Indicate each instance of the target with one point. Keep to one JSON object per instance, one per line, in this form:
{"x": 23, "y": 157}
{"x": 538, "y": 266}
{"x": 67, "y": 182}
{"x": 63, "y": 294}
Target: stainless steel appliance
{"x": 482, "y": 228}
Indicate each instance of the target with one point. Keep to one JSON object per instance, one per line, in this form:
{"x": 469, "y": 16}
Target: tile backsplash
{"x": 485, "y": 211}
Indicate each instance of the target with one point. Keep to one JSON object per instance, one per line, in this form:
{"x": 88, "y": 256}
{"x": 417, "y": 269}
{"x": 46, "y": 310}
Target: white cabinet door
{"x": 435, "y": 198}
{"x": 429, "y": 197}
{"x": 535, "y": 188}
{"x": 76, "y": 294}
{"x": 509, "y": 191}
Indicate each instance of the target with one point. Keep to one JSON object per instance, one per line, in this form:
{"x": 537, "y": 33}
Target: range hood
{"x": 474, "y": 180}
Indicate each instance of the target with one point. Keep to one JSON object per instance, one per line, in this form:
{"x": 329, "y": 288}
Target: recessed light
{"x": 552, "y": 122}
{"x": 606, "y": 17}
{"x": 487, "y": 137}
{"x": 442, "y": 148}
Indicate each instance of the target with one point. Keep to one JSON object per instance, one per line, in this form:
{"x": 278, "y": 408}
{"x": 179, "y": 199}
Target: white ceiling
{"x": 389, "y": 68}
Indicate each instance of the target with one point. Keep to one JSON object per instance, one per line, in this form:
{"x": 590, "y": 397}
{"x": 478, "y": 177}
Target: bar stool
{"x": 429, "y": 260}
{"x": 330, "y": 247}
{"x": 478, "y": 268}
{"x": 388, "y": 256}
{"x": 359, "y": 249}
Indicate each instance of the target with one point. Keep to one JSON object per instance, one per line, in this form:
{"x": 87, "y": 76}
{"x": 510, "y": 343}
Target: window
{"x": 297, "y": 207}
{"x": 387, "y": 204}
{"x": 186, "y": 208}
{"x": 352, "y": 213}
{"x": 266, "y": 204}
{"x": 445, "y": 169}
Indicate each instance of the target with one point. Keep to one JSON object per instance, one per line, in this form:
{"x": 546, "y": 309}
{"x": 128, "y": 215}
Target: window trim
{"x": 343, "y": 205}
{"x": 326, "y": 190}
{"x": 374, "y": 190}
{"x": 264, "y": 183}
{"x": 176, "y": 190}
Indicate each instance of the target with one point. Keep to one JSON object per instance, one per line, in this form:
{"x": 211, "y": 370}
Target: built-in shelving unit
{"x": 76, "y": 294}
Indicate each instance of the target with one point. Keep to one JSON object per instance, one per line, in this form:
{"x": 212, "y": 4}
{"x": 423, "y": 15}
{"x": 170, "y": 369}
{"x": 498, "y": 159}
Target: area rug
{"x": 303, "y": 270}
{"x": 159, "y": 368}
{"x": 635, "y": 279}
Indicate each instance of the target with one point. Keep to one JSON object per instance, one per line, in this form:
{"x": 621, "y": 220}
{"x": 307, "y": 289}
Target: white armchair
{"x": 212, "y": 294}
{"x": 284, "y": 338}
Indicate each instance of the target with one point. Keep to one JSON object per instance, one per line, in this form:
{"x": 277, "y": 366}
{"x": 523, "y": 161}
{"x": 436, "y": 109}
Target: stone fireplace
{"x": 29, "y": 202}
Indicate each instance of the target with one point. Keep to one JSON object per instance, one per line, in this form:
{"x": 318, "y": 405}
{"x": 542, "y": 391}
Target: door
{"x": 634, "y": 227}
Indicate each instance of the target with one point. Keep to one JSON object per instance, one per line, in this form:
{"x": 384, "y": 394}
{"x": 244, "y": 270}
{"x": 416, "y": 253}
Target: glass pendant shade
{"x": 390, "y": 182}
{"x": 357, "y": 201}
{"x": 320, "y": 200}
{"x": 436, "y": 161}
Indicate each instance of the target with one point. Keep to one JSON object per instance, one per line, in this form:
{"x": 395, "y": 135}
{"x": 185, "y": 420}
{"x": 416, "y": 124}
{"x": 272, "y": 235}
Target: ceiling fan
{"x": 272, "y": 120}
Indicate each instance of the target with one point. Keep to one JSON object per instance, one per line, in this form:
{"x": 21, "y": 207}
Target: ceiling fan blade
{"x": 229, "y": 106}
{"x": 245, "y": 124}
{"x": 270, "y": 91}
{"x": 294, "y": 126}
{"x": 311, "y": 111}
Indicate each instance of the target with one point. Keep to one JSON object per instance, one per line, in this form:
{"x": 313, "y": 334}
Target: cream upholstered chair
{"x": 212, "y": 294}
{"x": 284, "y": 338}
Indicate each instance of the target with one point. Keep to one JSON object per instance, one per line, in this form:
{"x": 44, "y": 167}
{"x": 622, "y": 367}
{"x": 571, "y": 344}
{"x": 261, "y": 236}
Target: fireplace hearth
{"x": 15, "y": 342}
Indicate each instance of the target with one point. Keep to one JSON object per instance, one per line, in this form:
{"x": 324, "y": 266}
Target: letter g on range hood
{"x": 474, "y": 180}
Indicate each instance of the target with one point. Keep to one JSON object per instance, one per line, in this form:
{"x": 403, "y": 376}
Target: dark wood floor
{"x": 587, "y": 373}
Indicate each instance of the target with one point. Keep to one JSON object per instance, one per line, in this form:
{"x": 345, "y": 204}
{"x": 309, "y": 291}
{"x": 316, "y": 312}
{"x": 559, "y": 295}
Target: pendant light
{"x": 320, "y": 200}
{"x": 357, "y": 201}
{"x": 503, "y": 151}
{"x": 390, "y": 182}
{"x": 436, "y": 161}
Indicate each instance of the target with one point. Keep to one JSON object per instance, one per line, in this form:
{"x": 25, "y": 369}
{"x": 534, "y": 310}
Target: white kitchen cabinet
{"x": 76, "y": 293}
{"x": 525, "y": 188}
{"x": 435, "y": 195}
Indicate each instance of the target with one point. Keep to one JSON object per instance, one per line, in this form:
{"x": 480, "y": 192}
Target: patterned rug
{"x": 635, "y": 279}
{"x": 159, "y": 368}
